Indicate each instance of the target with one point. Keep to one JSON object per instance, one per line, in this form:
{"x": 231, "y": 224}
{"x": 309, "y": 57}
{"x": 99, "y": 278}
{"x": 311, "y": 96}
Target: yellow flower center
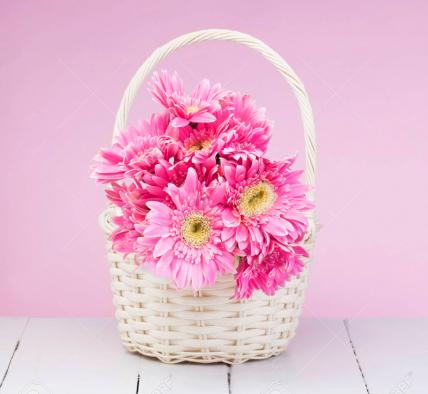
{"x": 257, "y": 199}
{"x": 199, "y": 145}
{"x": 196, "y": 230}
{"x": 191, "y": 109}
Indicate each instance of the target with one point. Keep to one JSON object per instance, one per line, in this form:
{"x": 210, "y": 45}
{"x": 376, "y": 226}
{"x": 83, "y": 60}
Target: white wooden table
{"x": 47, "y": 355}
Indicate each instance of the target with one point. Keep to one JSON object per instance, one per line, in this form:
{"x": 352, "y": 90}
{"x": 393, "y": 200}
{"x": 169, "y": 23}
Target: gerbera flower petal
{"x": 202, "y": 118}
{"x": 231, "y": 218}
{"x": 276, "y": 227}
{"x": 163, "y": 265}
{"x": 163, "y": 245}
{"x": 218, "y": 193}
{"x": 159, "y": 208}
{"x": 155, "y": 230}
{"x": 241, "y": 234}
{"x": 191, "y": 182}
{"x": 179, "y": 122}
{"x": 164, "y": 85}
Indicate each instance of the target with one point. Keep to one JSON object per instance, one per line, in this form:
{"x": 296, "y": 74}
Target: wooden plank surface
{"x": 158, "y": 378}
{"x": 86, "y": 356}
{"x": 393, "y": 354}
{"x": 71, "y": 356}
{"x": 11, "y": 329}
{"x": 318, "y": 360}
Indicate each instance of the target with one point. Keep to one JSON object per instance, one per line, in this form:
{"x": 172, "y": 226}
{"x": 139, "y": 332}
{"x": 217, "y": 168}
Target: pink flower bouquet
{"x": 198, "y": 198}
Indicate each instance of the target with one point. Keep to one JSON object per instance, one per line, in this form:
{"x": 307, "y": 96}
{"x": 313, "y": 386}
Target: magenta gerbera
{"x": 133, "y": 210}
{"x": 201, "y": 144}
{"x": 131, "y": 198}
{"x": 185, "y": 239}
{"x": 199, "y": 107}
{"x": 136, "y": 149}
{"x": 268, "y": 202}
{"x": 251, "y": 129}
{"x": 269, "y": 273}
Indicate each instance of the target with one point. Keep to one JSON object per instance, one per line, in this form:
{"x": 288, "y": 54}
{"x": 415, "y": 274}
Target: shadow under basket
{"x": 209, "y": 326}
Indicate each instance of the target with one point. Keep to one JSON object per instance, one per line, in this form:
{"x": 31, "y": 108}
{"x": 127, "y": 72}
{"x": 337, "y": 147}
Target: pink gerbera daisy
{"x": 268, "y": 202}
{"x": 269, "y": 273}
{"x": 136, "y": 149}
{"x": 199, "y": 107}
{"x": 133, "y": 210}
{"x": 153, "y": 183}
{"x": 201, "y": 144}
{"x": 185, "y": 239}
{"x": 251, "y": 130}
{"x": 131, "y": 198}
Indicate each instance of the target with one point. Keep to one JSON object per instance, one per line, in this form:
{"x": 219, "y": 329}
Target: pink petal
{"x": 227, "y": 233}
{"x": 163, "y": 246}
{"x": 300, "y": 251}
{"x": 147, "y": 242}
{"x": 159, "y": 207}
{"x": 181, "y": 276}
{"x": 218, "y": 195}
{"x": 241, "y": 233}
{"x": 163, "y": 266}
{"x": 201, "y": 90}
{"x": 256, "y": 234}
{"x": 155, "y": 230}
{"x": 111, "y": 156}
{"x": 275, "y": 227}
{"x": 197, "y": 277}
{"x": 205, "y": 117}
{"x": 179, "y": 122}
{"x": 230, "y": 218}
{"x": 191, "y": 182}
{"x": 229, "y": 172}
{"x": 240, "y": 173}
{"x": 209, "y": 272}
{"x": 230, "y": 244}
{"x": 226, "y": 261}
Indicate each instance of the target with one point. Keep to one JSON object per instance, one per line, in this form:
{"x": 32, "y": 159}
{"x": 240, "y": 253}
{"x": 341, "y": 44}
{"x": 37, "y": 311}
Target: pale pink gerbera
{"x": 269, "y": 273}
{"x": 199, "y": 107}
{"x": 135, "y": 150}
{"x": 268, "y": 201}
{"x": 185, "y": 239}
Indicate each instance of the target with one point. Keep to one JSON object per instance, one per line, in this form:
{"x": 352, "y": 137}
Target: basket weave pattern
{"x": 208, "y": 326}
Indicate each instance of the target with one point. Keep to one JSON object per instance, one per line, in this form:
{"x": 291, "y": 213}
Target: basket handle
{"x": 228, "y": 35}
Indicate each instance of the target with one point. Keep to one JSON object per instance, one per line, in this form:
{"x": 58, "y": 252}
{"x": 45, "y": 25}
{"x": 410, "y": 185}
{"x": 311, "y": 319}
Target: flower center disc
{"x": 257, "y": 199}
{"x": 199, "y": 145}
{"x": 196, "y": 230}
{"x": 191, "y": 109}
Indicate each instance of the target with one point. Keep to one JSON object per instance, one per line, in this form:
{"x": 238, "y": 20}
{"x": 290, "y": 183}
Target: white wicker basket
{"x": 174, "y": 326}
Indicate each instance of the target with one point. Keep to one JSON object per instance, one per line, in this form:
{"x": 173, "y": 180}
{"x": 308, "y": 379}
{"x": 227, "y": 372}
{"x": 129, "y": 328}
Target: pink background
{"x": 64, "y": 67}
